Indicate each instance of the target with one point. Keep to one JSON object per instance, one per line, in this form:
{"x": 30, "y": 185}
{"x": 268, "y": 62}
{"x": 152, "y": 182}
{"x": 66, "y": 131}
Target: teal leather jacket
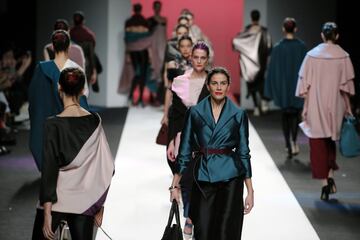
{"x": 230, "y": 132}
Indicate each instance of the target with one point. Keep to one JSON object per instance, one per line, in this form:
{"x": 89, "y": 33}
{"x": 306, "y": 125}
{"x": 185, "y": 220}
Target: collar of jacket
{"x": 50, "y": 70}
{"x": 203, "y": 108}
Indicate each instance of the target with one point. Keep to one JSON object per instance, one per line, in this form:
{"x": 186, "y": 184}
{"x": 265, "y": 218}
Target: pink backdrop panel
{"x": 219, "y": 20}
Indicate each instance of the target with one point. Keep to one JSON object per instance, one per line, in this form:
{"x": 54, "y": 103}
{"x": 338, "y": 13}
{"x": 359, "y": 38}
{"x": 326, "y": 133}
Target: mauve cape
{"x": 325, "y": 72}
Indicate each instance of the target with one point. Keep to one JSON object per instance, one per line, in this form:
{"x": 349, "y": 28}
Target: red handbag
{"x": 162, "y": 137}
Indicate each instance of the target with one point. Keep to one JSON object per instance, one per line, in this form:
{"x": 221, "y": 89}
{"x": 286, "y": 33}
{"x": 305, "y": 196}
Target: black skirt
{"x": 217, "y": 209}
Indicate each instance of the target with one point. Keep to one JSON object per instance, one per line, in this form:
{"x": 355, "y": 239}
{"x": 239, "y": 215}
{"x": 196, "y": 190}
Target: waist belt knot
{"x": 208, "y": 151}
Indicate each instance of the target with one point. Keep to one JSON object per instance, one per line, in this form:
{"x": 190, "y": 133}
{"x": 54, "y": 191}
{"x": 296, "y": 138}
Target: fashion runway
{"x": 138, "y": 203}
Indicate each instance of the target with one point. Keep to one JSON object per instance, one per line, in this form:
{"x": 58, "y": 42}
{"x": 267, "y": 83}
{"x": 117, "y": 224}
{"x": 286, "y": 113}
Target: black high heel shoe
{"x": 332, "y": 185}
{"x": 325, "y": 191}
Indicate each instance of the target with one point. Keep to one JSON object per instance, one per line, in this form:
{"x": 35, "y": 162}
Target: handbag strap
{"x": 174, "y": 210}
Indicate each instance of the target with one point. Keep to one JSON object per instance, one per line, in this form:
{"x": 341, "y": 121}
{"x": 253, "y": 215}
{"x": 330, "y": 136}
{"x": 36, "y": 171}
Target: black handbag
{"x": 173, "y": 232}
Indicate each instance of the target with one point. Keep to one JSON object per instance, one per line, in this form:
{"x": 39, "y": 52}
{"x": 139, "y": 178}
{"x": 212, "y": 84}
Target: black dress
{"x": 177, "y": 115}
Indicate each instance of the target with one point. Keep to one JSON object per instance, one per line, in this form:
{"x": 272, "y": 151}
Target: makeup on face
{"x": 218, "y": 86}
{"x": 199, "y": 59}
{"x": 185, "y": 48}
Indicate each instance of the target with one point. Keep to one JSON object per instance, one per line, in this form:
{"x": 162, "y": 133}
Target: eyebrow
{"x": 213, "y": 81}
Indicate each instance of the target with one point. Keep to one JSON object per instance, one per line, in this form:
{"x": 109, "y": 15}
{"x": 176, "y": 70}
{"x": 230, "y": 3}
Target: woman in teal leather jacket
{"x": 216, "y": 133}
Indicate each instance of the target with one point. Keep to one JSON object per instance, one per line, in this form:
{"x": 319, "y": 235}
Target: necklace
{"x": 74, "y": 104}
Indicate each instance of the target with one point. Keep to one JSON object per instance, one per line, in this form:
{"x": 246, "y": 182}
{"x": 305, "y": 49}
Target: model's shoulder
{"x": 75, "y": 47}
{"x": 241, "y": 111}
{"x": 300, "y": 41}
{"x": 51, "y": 123}
{"x": 48, "y": 68}
{"x": 46, "y": 63}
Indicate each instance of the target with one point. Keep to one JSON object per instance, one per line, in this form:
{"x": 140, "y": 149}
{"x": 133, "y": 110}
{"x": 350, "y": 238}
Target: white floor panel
{"x": 138, "y": 203}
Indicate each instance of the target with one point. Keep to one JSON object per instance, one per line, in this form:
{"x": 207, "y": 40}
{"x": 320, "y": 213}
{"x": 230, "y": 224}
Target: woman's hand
{"x": 348, "y": 111}
{"x": 47, "y": 231}
{"x": 304, "y": 114}
{"x": 99, "y": 217}
{"x": 175, "y": 194}
{"x": 346, "y": 97}
{"x": 175, "y": 188}
{"x": 165, "y": 120}
{"x": 249, "y": 202}
{"x": 93, "y": 77}
{"x": 171, "y": 151}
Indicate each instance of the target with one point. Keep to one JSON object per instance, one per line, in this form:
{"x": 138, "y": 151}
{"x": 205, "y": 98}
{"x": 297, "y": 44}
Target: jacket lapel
{"x": 227, "y": 113}
{"x": 203, "y": 108}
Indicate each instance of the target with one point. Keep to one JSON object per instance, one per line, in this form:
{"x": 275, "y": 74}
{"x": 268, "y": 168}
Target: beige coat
{"x": 325, "y": 72}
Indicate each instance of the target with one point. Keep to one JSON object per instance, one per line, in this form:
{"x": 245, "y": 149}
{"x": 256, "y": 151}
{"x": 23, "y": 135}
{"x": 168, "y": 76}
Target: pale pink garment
{"x": 325, "y": 71}
{"x": 188, "y": 90}
{"x": 156, "y": 44}
{"x": 85, "y": 180}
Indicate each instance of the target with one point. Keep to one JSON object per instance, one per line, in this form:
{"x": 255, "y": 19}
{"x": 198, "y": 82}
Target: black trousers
{"x": 217, "y": 210}
{"x": 140, "y": 62}
{"x": 81, "y": 226}
{"x": 290, "y": 121}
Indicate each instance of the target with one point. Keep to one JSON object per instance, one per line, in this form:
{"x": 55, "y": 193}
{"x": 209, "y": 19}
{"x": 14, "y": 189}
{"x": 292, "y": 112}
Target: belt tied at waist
{"x": 208, "y": 151}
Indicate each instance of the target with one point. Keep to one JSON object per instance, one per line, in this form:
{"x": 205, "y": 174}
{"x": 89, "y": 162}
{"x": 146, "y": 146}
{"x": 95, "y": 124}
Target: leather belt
{"x": 207, "y": 151}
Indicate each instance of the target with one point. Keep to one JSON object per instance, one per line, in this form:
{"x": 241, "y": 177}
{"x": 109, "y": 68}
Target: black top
{"x": 63, "y": 139}
{"x": 177, "y": 113}
{"x": 181, "y": 66}
{"x": 152, "y": 23}
{"x": 171, "y": 50}
{"x": 136, "y": 20}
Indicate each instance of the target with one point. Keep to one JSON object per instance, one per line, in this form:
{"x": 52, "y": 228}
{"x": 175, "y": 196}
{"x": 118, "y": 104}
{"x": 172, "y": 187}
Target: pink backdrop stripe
{"x": 219, "y": 20}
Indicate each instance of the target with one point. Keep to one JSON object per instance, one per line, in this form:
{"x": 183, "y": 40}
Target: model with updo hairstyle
{"x": 45, "y": 80}
{"x": 69, "y": 167}
{"x": 172, "y": 53}
{"x": 175, "y": 68}
{"x": 85, "y": 37}
{"x": 202, "y": 46}
{"x": 330, "y": 31}
{"x": 218, "y": 70}
{"x": 187, "y": 90}
{"x": 183, "y": 20}
{"x": 61, "y": 24}
{"x": 60, "y": 40}
{"x": 289, "y": 25}
{"x": 75, "y": 52}
{"x": 72, "y": 81}
{"x": 326, "y": 82}
{"x": 215, "y": 149}
{"x": 182, "y": 33}
{"x": 286, "y": 58}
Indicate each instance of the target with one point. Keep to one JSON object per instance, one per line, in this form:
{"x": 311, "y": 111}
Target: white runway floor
{"x": 138, "y": 203}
